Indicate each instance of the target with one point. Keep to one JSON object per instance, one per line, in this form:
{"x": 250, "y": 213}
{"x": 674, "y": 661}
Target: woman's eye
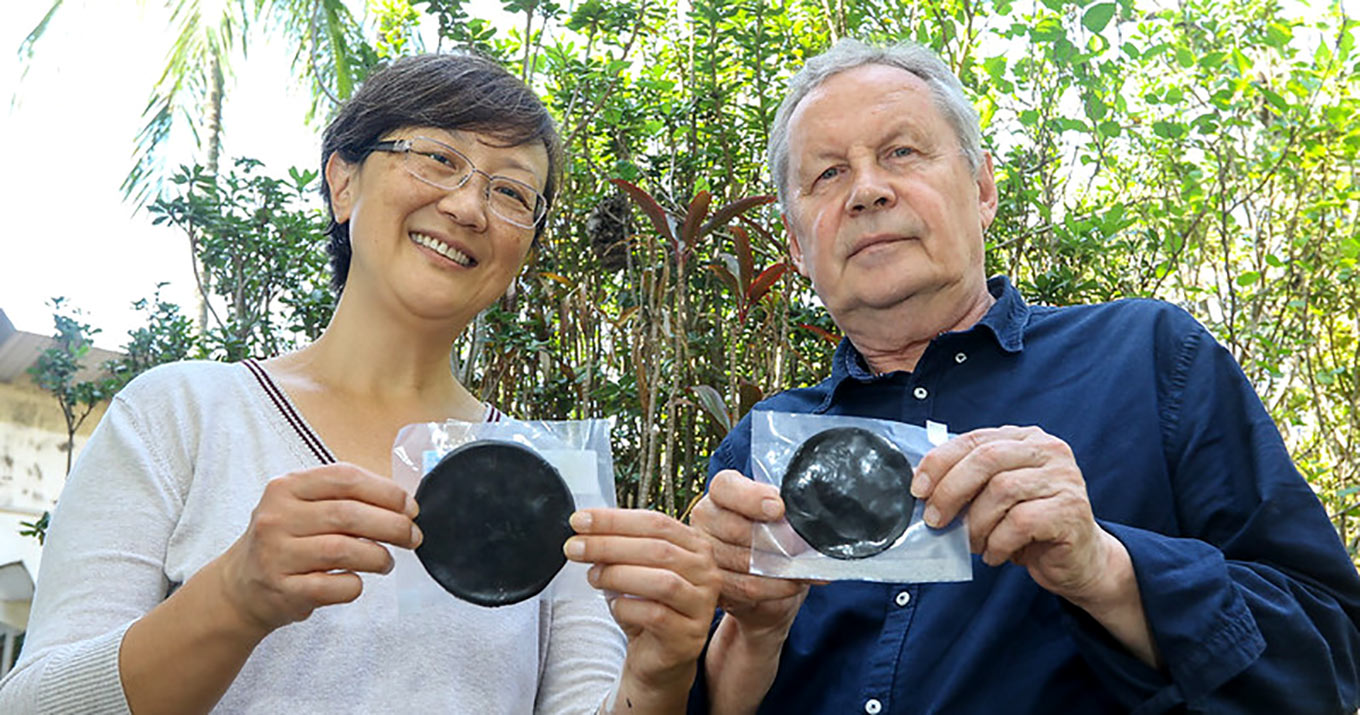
{"x": 441, "y": 158}
{"x": 513, "y": 192}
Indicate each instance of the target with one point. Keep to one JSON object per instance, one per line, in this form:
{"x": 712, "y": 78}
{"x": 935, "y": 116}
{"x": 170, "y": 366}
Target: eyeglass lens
{"x": 444, "y": 167}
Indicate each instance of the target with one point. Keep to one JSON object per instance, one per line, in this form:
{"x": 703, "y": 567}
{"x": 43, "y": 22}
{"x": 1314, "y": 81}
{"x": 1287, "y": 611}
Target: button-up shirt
{"x": 1252, "y": 601}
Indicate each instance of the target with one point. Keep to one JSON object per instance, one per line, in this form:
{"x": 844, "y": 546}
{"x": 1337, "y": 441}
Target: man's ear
{"x": 341, "y": 179}
{"x": 795, "y": 250}
{"x": 987, "y": 196}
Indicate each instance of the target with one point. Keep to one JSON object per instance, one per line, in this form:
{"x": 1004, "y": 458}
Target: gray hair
{"x": 849, "y": 54}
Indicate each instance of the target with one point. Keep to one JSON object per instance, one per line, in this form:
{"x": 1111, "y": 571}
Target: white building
{"x": 32, "y": 469}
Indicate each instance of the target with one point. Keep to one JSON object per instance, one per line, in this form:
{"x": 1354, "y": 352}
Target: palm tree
{"x": 329, "y": 49}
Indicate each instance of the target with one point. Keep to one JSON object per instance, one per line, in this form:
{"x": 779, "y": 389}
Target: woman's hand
{"x": 669, "y": 583}
{"x": 310, "y": 534}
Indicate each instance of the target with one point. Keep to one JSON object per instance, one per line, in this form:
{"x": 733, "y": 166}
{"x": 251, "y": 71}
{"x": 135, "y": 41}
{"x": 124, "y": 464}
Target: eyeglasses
{"x": 439, "y": 164}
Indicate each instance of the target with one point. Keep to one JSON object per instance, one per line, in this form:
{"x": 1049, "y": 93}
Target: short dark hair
{"x": 453, "y": 91}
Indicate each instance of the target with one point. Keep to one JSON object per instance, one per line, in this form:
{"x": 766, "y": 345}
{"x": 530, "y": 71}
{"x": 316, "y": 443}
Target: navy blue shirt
{"x": 1252, "y": 600}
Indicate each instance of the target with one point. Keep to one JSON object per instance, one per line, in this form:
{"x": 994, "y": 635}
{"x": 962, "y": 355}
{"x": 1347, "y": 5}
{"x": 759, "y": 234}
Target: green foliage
{"x": 260, "y": 246}
{"x": 56, "y": 371}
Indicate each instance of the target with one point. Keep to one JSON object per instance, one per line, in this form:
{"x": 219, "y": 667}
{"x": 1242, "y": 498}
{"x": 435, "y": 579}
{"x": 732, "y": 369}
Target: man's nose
{"x": 871, "y": 191}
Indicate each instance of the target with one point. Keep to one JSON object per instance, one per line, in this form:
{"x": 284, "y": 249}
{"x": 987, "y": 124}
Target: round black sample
{"x": 494, "y": 515}
{"x": 847, "y": 492}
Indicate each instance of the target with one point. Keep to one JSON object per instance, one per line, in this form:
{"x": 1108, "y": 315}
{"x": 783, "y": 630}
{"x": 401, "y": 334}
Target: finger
{"x": 971, "y": 474}
{"x": 637, "y": 614}
{"x": 1001, "y": 493}
{"x": 324, "y": 589}
{"x": 697, "y": 567}
{"x": 741, "y": 590}
{"x": 348, "y": 481}
{"x": 722, "y": 525}
{"x": 333, "y": 552}
{"x": 736, "y": 559}
{"x": 355, "y": 518}
{"x": 660, "y": 585}
{"x": 1026, "y": 523}
{"x": 941, "y": 459}
{"x": 637, "y": 522}
{"x": 747, "y": 497}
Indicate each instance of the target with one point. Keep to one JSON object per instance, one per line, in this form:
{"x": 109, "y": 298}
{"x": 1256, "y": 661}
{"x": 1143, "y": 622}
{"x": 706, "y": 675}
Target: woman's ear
{"x": 342, "y": 178}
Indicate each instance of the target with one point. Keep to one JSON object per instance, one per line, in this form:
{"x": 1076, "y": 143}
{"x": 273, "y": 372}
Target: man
{"x": 1145, "y": 542}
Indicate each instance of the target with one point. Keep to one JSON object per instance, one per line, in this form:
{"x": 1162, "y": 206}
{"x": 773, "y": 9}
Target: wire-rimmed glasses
{"x": 439, "y": 164}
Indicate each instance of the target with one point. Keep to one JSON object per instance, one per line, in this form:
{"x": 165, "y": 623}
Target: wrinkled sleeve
{"x": 585, "y": 654}
{"x": 1254, "y": 605}
{"x": 102, "y": 568}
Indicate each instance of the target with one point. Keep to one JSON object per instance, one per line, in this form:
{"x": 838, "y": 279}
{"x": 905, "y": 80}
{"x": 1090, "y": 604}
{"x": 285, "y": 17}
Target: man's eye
{"x": 831, "y": 173}
{"x": 902, "y": 152}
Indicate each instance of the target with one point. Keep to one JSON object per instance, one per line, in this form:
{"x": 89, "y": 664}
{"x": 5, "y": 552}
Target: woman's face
{"x": 438, "y": 253}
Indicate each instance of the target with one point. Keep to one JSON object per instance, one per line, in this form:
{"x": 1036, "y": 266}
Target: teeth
{"x": 442, "y": 249}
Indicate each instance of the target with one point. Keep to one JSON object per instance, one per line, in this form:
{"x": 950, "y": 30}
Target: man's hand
{"x": 1027, "y": 503}
{"x": 726, "y": 516}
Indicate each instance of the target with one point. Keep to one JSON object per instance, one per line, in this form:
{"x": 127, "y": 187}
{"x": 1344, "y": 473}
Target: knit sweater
{"x": 168, "y": 481}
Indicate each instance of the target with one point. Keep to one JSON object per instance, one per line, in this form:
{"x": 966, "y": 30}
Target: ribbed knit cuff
{"x": 85, "y": 679}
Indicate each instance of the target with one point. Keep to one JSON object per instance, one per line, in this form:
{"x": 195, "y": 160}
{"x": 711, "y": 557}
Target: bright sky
{"x": 68, "y": 141}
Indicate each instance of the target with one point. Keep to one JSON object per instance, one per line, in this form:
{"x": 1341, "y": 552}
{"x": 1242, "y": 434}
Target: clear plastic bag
{"x": 578, "y": 449}
{"x": 920, "y": 554}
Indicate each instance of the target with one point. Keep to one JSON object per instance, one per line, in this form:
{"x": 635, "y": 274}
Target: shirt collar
{"x": 1005, "y": 320}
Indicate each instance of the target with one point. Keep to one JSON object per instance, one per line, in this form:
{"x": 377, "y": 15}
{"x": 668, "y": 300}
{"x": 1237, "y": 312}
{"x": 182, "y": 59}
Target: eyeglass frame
{"x": 405, "y": 148}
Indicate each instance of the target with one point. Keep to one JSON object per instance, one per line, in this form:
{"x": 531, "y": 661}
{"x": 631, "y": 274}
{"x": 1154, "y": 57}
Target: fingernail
{"x": 580, "y": 521}
{"x": 412, "y": 508}
{"x": 920, "y": 484}
{"x": 932, "y": 516}
{"x": 574, "y": 548}
{"x": 416, "y": 536}
{"x": 769, "y": 507}
{"x": 593, "y": 575}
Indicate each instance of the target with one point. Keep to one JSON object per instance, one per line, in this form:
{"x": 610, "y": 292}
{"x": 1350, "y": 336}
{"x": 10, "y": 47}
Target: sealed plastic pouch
{"x": 495, "y": 498}
{"x": 849, "y": 512}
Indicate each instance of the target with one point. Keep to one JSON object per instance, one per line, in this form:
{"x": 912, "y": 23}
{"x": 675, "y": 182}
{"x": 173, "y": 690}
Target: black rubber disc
{"x": 847, "y": 492}
{"x": 494, "y": 515}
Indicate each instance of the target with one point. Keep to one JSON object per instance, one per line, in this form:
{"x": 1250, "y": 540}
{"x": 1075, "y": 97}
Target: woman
{"x": 222, "y": 540}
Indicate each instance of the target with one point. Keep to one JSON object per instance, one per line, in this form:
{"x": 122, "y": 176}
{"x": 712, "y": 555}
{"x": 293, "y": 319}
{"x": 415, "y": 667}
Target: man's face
{"x": 882, "y": 203}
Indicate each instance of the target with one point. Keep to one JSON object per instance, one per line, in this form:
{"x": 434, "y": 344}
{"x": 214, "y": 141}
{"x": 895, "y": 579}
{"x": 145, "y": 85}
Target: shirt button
{"x": 920, "y": 393}
{"x": 873, "y": 707}
{"x": 903, "y": 598}
{"x": 960, "y": 357}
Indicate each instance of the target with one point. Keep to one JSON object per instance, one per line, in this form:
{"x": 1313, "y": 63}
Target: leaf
{"x": 748, "y": 394}
{"x": 728, "y": 211}
{"x": 822, "y": 333}
{"x": 764, "y": 282}
{"x": 649, "y": 206}
{"x": 1098, "y": 16}
{"x": 746, "y": 264}
{"x": 1248, "y": 278}
{"x": 557, "y": 278}
{"x": 725, "y": 274}
{"x": 712, "y": 403}
{"x": 698, "y": 210}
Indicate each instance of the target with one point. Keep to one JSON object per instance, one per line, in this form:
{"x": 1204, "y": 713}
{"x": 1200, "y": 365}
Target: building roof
{"x": 19, "y": 350}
